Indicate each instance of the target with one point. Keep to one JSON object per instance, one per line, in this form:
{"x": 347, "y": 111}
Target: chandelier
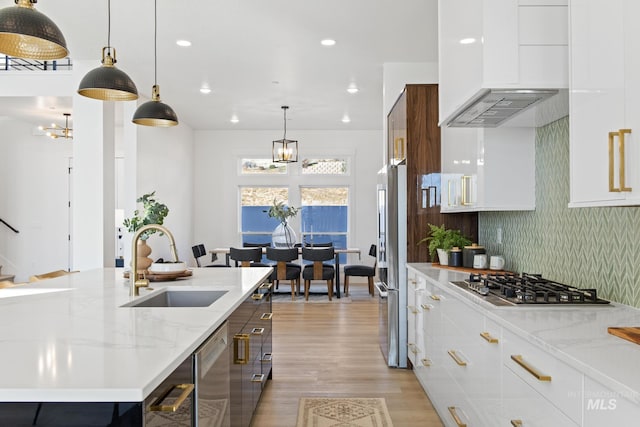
{"x": 284, "y": 150}
{"x": 56, "y": 131}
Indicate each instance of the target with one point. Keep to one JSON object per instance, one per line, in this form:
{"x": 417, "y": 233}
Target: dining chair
{"x": 247, "y": 257}
{"x": 284, "y": 268}
{"x": 200, "y": 251}
{"x": 361, "y": 271}
{"x": 318, "y": 270}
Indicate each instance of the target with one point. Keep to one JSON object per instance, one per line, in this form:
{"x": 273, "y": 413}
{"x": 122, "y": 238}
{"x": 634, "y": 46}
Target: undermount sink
{"x": 178, "y": 298}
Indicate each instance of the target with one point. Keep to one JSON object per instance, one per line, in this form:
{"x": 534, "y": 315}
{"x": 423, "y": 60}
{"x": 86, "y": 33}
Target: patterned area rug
{"x": 343, "y": 412}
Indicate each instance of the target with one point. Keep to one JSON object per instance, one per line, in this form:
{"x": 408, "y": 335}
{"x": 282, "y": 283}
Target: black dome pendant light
{"x": 106, "y": 82}
{"x": 155, "y": 112}
{"x": 27, "y": 33}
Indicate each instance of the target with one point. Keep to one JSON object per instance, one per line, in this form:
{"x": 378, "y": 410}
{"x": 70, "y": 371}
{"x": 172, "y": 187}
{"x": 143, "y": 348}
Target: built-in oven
{"x": 212, "y": 384}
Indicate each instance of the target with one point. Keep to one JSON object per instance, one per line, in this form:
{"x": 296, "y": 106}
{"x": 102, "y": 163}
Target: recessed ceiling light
{"x": 346, "y": 119}
{"x": 205, "y": 90}
{"x": 234, "y": 119}
{"x": 469, "y": 40}
{"x": 183, "y": 43}
{"x": 327, "y": 42}
{"x": 352, "y": 89}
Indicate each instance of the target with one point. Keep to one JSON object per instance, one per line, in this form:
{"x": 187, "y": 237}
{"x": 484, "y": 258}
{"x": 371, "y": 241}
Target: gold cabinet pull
{"x": 257, "y": 378}
{"x": 413, "y": 282}
{"x": 267, "y": 357}
{"x": 466, "y": 188}
{"x": 266, "y": 285}
{"x": 257, "y": 296}
{"x": 456, "y": 418}
{"x": 157, "y": 405}
{"x": 413, "y": 348}
{"x": 266, "y": 316}
{"x": 457, "y": 359}
{"x": 426, "y": 306}
{"x": 412, "y": 309}
{"x": 244, "y": 339}
{"x": 516, "y": 423}
{"x": 449, "y": 192}
{"x": 621, "y": 170}
{"x": 426, "y": 362}
{"x": 257, "y": 331}
{"x": 487, "y": 336}
{"x": 435, "y": 297}
{"x": 520, "y": 361}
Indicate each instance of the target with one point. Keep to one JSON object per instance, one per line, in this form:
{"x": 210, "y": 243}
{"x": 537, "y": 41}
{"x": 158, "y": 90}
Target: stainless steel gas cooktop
{"x": 510, "y": 289}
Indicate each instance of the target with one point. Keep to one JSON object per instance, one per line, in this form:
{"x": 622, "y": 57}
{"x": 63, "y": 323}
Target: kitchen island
{"x": 544, "y": 365}
{"x": 70, "y": 339}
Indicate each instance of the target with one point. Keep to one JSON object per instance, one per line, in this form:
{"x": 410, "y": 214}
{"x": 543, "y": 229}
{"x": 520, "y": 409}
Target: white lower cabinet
{"x": 604, "y": 407}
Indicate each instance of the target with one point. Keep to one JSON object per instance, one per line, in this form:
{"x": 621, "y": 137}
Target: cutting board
{"x": 468, "y": 270}
{"x": 629, "y": 333}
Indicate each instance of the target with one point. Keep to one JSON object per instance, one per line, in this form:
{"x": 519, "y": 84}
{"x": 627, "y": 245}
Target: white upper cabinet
{"x": 605, "y": 115}
{"x": 488, "y": 169}
{"x": 500, "y": 45}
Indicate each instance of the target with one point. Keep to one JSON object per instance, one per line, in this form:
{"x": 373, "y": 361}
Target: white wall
{"x": 217, "y": 160}
{"x": 33, "y": 198}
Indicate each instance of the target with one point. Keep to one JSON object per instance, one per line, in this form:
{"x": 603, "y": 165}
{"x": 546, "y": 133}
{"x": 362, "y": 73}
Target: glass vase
{"x": 283, "y": 236}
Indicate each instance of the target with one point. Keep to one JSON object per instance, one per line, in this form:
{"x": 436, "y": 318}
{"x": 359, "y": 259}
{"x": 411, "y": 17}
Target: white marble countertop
{"x": 576, "y": 335}
{"x": 69, "y": 340}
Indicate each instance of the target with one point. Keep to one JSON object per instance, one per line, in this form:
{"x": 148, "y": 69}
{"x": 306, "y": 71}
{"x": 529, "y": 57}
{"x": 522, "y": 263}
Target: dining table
{"x": 337, "y": 251}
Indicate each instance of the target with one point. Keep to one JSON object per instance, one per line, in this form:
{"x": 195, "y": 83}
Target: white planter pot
{"x": 443, "y": 256}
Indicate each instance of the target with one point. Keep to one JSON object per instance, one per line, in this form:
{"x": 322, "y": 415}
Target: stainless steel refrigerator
{"x": 392, "y": 242}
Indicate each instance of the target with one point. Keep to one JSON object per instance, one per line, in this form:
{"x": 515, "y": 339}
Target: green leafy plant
{"x": 153, "y": 212}
{"x": 281, "y": 211}
{"x": 441, "y": 238}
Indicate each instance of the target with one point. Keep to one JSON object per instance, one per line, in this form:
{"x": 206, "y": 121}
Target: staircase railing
{"x": 8, "y": 225}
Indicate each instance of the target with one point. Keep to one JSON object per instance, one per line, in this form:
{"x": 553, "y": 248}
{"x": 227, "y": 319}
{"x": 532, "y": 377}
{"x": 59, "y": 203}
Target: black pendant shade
{"x": 108, "y": 83}
{"x": 27, "y": 33}
{"x": 155, "y": 112}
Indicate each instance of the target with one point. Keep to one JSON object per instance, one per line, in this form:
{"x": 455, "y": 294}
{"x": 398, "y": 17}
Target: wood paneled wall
{"x": 414, "y": 117}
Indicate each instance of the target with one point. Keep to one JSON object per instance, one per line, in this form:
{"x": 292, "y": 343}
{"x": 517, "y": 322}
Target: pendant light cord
{"x": 155, "y": 44}
{"x": 285, "y": 122}
{"x": 109, "y": 27}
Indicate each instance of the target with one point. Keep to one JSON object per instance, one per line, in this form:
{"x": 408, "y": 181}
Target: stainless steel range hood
{"x": 492, "y": 107}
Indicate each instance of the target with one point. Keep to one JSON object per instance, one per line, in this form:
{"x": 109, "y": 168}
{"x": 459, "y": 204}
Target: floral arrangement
{"x": 153, "y": 212}
{"x": 281, "y": 211}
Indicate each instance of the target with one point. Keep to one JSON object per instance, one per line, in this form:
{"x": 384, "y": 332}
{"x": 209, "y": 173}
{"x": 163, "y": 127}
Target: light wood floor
{"x": 332, "y": 350}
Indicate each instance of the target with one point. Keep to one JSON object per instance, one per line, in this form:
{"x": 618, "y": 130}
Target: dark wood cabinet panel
{"x": 414, "y": 137}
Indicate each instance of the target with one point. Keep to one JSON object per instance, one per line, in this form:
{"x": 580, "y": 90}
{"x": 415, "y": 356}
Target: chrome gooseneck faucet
{"x": 133, "y": 277}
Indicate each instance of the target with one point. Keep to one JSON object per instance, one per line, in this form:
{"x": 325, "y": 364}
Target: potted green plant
{"x": 153, "y": 212}
{"x": 283, "y": 235}
{"x": 441, "y": 240}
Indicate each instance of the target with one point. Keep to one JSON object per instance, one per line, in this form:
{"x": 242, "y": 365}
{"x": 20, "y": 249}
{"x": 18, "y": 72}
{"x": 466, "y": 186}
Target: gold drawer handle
{"x": 267, "y": 357}
{"x": 413, "y": 282}
{"x": 426, "y": 362}
{"x": 257, "y": 296}
{"x": 457, "y": 359}
{"x": 157, "y": 405}
{"x": 257, "y": 378}
{"x": 266, "y": 285}
{"x": 456, "y": 418}
{"x": 516, "y": 423}
{"x": 413, "y": 348}
{"x": 257, "y": 331}
{"x": 244, "y": 339}
{"x": 466, "y": 188}
{"x": 487, "y": 336}
{"x": 621, "y": 147}
{"x": 426, "y": 306}
{"x": 266, "y": 316}
{"x": 520, "y": 361}
{"x": 435, "y": 297}
{"x": 412, "y": 309}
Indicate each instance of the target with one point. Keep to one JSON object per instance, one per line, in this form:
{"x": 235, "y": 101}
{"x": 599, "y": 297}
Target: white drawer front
{"x": 604, "y": 407}
{"x": 552, "y": 378}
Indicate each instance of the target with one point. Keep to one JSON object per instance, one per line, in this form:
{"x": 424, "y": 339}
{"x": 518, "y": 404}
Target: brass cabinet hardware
{"x": 435, "y": 297}
{"x": 413, "y": 348}
{"x": 266, "y": 286}
{"x": 520, "y": 361}
{"x": 257, "y": 331}
{"x": 466, "y": 191}
{"x": 413, "y": 282}
{"x": 257, "y": 296}
{"x": 266, "y": 316}
{"x": 412, "y": 309}
{"x": 457, "y": 359}
{"x": 426, "y": 306}
{"x": 257, "y": 378}
{"x": 244, "y": 339}
{"x": 456, "y": 418}
{"x": 621, "y": 168}
{"x": 157, "y": 405}
{"x": 516, "y": 423}
{"x": 487, "y": 336}
{"x": 426, "y": 362}
{"x": 267, "y": 357}
{"x": 449, "y": 192}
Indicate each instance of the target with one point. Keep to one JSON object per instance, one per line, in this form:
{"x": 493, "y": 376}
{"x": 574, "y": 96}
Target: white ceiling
{"x": 255, "y": 55}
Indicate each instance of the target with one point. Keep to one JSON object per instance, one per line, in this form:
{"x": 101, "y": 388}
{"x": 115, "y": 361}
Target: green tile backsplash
{"x": 584, "y": 247}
